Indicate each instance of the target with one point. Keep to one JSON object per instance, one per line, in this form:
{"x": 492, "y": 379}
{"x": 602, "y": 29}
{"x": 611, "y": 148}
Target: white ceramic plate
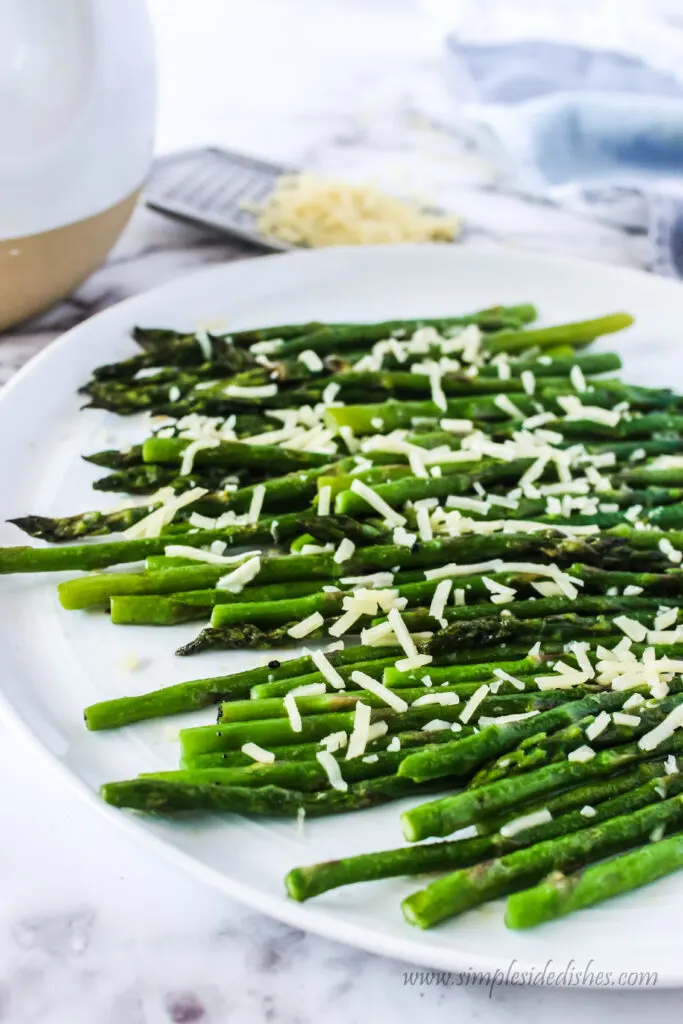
{"x": 54, "y": 663}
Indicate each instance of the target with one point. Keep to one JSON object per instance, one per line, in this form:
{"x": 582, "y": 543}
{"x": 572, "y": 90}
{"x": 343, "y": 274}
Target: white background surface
{"x": 93, "y": 929}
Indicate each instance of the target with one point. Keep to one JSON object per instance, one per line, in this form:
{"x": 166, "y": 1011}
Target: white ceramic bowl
{"x": 77, "y": 111}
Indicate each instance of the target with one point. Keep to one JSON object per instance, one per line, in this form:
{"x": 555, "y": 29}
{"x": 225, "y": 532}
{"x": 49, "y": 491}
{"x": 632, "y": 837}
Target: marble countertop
{"x": 94, "y": 929}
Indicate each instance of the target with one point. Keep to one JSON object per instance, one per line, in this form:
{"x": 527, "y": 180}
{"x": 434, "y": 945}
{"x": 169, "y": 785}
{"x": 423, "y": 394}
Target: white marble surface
{"x": 93, "y": 928}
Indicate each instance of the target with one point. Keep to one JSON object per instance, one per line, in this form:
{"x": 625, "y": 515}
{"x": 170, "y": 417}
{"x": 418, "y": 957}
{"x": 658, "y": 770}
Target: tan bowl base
{"x": 37, "y": 270}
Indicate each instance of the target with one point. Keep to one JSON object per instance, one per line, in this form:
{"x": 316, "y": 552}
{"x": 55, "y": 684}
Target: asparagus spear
{"x": 304, "y": 882}
{"x": 560, "y": 894}
{"x": 306, "y": 776}
{"x": 259, "y": 709}
{"x": 190, "y": 605}
{"x": 559, "y": 366}
{"x": 471, "y": 887}
{"x": 206, "y": 739}
{"x": 451, "y": 674}
{"x": 391, "y": 677}
{"x": 441, "y": 817}
{"x": 281, "y": 687}
{"x": 233, "y": 454}
{"x": 362, "y": 418}
{"x": 588, "y": 794}
{"x": 338, "y": 337}
{"x": 547, "y": 749}
{"x": 488, "y": 631}
{"x": 200, "y": 693}
{"x": 398, "y": 492}
{"x": 463, "y": 757}
{"x": 613, "y": 549}
{"x": 160, "y": 796}
{"x": 578, "y": 333}
{"x": 403, "y": 384}
{"x": 307, "y": 751}
{"x": 147, "y": 479}
{"x": 85, "y": 524}
{"x": 88, "y": 591}
{"x": 197, "y": 604}
{"x": 589, "y": 605}
{"x": 102, "y": 555}
{"x": 116, "y": 458}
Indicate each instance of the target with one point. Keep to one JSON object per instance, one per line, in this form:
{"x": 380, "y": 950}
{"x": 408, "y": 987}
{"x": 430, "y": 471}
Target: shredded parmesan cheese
{"x": 324, "y": 500}
{"x": 258, "y": 753}
{"x": 262, "y": 391}
{"x": 525, "y": 821}
{"x": 199, "y": 555}
{"x": 256, "y": 505}
{"x": 187, "y": 462}
{"x": 581, "y": 754}
{"x": 359, "y": 736}
{"x": 152, "y": 525}
{"x": 634, "y": 630}
{"x": 473, "y": 703}
{"x": 662, "y": 732}
{"x": 311, "y": 360}
{"x": 306, "y": 626}
{"x": 366, "y": 682}
{"x": 237, "y": 580}
{"x": 440, "y": 598}
{"x": 598, "y": 725}
{"x": 314, "y": 211}
{"x": 289, "y": 703}
{"x": 332, "y": 770}
{"x": 327, "y": 670}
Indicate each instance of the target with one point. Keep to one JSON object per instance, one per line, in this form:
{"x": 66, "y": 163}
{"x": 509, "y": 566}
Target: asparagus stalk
{"x": 331, "y": 338}
{"x": 307, "y": 751}
{"x": 281, "y": 687}
{"x": 561, "y": 894}
{"x": 588, "y": 605}
{"x": 306, "y": 776}
{"x": 485, "y": 632}
{"x": 545, "y": 749}
{"x": 190, "y": 605}
{"x": 471, "y": 887}
{"x": 362, "y": 418}
{"x": 463, "y": 757}
{"x": 200, "y": 693}
{"x": 588, "y": 794}
{"x": 85, "y": 524}
{"x": 403, "y": 384}
{"x": 147, "y": 479}
{"x": 268, "y": 732}
{"x": 590, "y": 364}
{"x": 102, "y": 555}
{"x": 233, "y": 455}
{"x": 258, "y": 709}
{"x": 576, "y": 334}
{"x": 441, "y": 817}
{"x": 612, "y": 549}
{"x": 452, "y": 675}
{"x": 161, "y": 796}
{"x": 305, "y": 882}
{"x": 88, "y": 591}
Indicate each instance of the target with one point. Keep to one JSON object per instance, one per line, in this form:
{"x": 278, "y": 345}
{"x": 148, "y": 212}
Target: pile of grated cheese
{"x": 313, "y": 211}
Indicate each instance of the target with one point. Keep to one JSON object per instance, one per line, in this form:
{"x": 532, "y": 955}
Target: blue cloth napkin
{"x": 561, "y": 118}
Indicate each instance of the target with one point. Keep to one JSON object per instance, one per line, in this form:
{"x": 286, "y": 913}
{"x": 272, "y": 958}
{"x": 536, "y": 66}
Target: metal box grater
{"x": 210, "y": 185}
